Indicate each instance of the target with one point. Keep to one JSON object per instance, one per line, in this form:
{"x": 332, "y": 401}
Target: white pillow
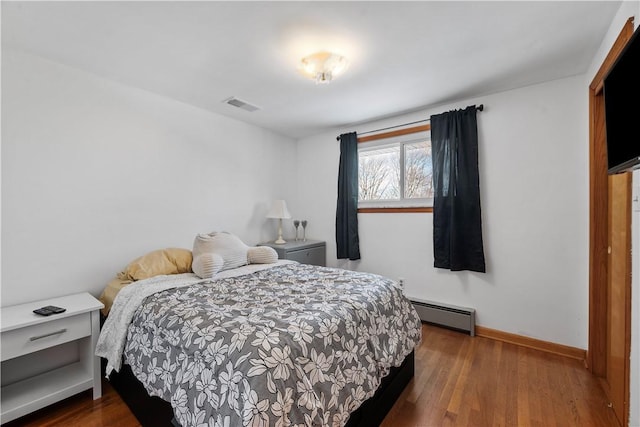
{"x": 207, "y": 265}
{"x": 230, "y": 252}
{"x": 262, "y": 255}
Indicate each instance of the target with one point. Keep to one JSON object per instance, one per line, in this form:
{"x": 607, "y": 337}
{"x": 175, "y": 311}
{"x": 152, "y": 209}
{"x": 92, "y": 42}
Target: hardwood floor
{"x": 82, "y": 411}
{"x": 465, "y": 381}
{"x": 459, "y": 381}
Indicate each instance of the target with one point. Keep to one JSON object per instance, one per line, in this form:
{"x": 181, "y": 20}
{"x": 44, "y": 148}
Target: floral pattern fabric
{"x": 293, "y": 345}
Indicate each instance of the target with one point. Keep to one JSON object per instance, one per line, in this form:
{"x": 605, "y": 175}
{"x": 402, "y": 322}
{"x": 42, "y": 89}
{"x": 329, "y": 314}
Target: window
{"x": 395, "y": 172}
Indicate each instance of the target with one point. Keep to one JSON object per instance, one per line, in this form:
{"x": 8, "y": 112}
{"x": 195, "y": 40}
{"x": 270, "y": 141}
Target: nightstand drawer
{"x": 314, "y": 256}
{"x": 44, "y": 335}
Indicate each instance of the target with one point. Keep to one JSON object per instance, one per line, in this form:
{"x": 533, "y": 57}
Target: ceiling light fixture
{"x": 323, "y": 66}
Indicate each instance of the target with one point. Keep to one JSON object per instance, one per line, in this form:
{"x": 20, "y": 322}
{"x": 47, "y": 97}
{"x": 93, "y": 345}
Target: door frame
{"x": 598, "y": 227}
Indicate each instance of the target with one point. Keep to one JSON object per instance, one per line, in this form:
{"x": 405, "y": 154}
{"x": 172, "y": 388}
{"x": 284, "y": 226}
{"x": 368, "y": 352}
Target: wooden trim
{"x": 536, "y": 344}
{"x": 598, "y": 211}
{"x": 628, "y": 285}
{"x": 393, "y": 133}
{"x": 627, "y": 308}
{"x": 395, "y": 210}
{"x": 598, "y": 236}
{"x": 624, "y": 36}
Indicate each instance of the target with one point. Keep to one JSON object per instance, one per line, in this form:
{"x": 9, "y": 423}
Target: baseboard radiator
{"x": 450, "y": 316}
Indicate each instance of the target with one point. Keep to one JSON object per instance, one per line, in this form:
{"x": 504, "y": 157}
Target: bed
{"x": 261, "y": 345}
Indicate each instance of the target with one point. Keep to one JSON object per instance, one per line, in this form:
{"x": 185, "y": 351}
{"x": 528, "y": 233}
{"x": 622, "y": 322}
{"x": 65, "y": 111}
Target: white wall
{"x": 95, "y": 173}
{"x": 534, "y": 190}
{"x": 628, "y": 9}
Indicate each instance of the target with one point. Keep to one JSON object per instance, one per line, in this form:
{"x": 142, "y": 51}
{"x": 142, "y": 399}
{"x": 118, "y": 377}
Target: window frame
{"x": 400, "y": 137}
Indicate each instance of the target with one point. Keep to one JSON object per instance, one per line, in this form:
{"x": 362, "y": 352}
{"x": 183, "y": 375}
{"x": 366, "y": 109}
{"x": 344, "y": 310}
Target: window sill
{"x": 414, "y": 209}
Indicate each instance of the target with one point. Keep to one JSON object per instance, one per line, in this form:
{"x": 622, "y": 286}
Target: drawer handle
{"x": 61, "y": 331}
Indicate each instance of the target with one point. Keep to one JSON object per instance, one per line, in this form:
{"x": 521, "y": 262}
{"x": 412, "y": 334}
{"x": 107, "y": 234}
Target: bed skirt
{"x": 152, "y": 411}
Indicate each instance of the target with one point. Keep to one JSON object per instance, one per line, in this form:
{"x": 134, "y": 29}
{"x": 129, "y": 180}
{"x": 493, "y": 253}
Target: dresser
{"x": 48, "y": 358}
{"x": 306, "y": 252}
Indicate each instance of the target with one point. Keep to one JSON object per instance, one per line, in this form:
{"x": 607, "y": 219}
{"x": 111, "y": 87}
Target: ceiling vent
{"x": 238, "y": 103}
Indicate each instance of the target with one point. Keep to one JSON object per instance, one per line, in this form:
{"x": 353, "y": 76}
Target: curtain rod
{"x": 479, "y": 108}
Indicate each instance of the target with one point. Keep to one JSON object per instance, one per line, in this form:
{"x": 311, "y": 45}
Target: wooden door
{"x": 618, "y": 290}
{"x": 609, "y": 253}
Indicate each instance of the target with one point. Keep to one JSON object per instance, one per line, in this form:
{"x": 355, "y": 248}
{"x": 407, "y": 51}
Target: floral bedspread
{"x": 293, "y": 345}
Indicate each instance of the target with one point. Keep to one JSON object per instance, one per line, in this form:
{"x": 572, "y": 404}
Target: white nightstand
{"x": 48, "y": 358}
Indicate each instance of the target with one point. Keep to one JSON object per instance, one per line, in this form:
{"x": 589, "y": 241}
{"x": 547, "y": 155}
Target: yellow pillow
{"x": 159, "y": 262}
{"x": 109, "y": 293}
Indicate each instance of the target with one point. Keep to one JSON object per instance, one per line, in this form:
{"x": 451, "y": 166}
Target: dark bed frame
{"x": 155, "y": 412}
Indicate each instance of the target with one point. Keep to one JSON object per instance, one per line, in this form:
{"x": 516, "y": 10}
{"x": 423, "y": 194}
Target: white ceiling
{"x": 403, "y": 55}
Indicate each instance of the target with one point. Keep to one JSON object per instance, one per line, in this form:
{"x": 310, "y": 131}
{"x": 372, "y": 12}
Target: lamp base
{"x": 280, "y": 240}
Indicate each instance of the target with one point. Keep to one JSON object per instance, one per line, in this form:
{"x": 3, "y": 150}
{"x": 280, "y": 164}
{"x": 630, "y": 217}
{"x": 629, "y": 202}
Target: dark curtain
{"x": 347, "y": 240}
{"x": 457, "y": 223}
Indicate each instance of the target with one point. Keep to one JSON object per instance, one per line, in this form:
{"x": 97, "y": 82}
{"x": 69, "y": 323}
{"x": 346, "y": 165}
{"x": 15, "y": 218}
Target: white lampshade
{"x": 279, "y": 210}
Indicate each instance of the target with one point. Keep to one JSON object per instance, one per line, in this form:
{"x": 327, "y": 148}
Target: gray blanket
{"x": 291, "y": 345}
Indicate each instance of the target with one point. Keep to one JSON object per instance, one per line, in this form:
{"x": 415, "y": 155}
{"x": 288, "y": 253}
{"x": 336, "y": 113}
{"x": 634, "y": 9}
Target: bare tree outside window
{"x": 396, "y": 172}
{"x": 377, "y": 174}
{"x": 418, "y": 171}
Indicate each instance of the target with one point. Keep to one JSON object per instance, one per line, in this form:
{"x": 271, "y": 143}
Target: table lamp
{"x": 279, "y": 211}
